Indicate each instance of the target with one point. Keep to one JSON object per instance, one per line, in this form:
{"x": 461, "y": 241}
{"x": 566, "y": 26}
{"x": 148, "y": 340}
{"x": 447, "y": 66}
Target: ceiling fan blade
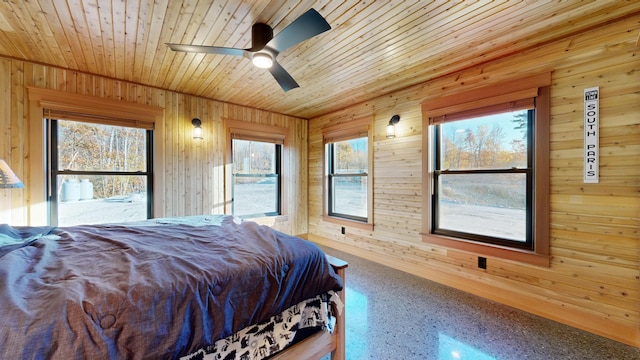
{"x": 207, "y": 49}
{"x": 283, "y": 78}
{"x": 304, "y": 27}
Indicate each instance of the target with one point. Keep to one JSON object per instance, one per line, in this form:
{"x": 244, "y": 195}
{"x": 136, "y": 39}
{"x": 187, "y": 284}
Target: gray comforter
{"x": 152, "y": 292}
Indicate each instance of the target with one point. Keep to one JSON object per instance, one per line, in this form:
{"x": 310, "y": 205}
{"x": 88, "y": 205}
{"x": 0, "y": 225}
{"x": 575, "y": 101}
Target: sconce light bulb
{"x": 197, "y": 128}
{"x": 391, "y": 131}
{"x": 197, "y": 133}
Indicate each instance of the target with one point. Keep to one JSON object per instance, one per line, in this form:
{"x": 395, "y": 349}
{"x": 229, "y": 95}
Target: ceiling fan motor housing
{"x": 261, "y": 34}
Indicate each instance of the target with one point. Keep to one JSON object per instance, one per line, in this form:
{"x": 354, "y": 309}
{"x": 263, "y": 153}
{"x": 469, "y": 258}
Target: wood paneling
{"x": 593, "y": 281}
{"x": 192, "y": 171}
{"x": 373, "y": 48}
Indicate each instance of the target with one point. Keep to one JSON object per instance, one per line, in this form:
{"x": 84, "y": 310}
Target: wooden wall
{"x": 593, "y": 282}
{"x": 193, "y": 169}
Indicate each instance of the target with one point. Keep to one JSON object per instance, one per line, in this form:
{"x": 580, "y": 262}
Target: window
{"x": 256, "y": 178}
{"x": 347, "y": 175}
{"x": 254, "y": 172}
{"x": 487, "y": 152}
{"x": 482, "y": 179}
{"x": 52, "y": 104}
{"x": 347, "y": 149}
{"x": 98, "y": 173}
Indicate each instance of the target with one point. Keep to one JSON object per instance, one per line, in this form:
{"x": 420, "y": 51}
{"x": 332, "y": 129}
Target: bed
{"x": 205, "y": 287}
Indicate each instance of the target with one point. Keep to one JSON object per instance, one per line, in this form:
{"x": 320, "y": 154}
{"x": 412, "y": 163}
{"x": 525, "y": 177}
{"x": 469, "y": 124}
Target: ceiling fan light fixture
{"x": 262, "y": 60}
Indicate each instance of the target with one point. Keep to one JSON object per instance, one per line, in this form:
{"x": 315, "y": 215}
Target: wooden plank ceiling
{"x": 373, "y": 48}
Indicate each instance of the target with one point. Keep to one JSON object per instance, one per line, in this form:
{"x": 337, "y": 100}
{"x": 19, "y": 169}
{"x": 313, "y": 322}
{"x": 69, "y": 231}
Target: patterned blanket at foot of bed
{"x": 260, "y": 341}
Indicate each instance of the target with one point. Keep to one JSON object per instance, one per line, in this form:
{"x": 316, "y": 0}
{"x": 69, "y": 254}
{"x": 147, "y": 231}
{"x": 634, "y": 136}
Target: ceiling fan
{"x": 265, "y": 47}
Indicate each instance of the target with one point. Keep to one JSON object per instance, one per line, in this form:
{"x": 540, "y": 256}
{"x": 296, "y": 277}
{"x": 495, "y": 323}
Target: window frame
{"x": 277, "y": 175}
{"x": 481, "y": 101}
{"x": 332, "y": 175}
{"x": 528, "y": 171}
{"x": 243, "y": 130}
{"x": 346, "y": 131}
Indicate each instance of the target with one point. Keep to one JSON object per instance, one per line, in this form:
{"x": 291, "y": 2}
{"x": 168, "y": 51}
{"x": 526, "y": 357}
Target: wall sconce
{"x": 197, "y": 129}
{"x": 8, "y": 178}
{"x": 391, "y": 128}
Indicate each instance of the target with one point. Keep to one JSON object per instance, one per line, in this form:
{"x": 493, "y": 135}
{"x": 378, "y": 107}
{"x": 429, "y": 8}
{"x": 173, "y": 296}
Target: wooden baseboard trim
{"x": 623, "y": 333}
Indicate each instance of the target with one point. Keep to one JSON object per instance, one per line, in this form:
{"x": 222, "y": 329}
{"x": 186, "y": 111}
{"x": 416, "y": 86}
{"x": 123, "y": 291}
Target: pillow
{"x": 12, "y": 238}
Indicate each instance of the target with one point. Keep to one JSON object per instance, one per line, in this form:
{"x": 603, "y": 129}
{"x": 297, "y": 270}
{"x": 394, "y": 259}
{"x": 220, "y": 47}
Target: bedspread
{"x": 136, "y": 291}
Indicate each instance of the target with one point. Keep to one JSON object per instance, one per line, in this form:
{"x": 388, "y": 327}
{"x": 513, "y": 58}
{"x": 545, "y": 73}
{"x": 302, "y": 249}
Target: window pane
{"x": 350, "y": 195}
{"x": 489, "y": 142}
{"x": 253, "y": 157}
{"x": 485, "y": 204}
{"x": 98, "y": 199}
{"x": 95, "y": 147}
{"x": 255, "y": 195}
{"x": 351, "y": 156}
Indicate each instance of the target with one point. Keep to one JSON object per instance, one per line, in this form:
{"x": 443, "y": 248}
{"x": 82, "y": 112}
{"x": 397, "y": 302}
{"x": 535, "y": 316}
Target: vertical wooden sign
{"x": 591, "y": 134}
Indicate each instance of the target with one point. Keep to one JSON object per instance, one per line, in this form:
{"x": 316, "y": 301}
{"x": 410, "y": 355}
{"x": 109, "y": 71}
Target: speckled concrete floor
{"x": 395, "y": 315}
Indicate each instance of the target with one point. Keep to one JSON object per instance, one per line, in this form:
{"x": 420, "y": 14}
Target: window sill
{"x": 347, "y": 222}
{"x": 519, "y": 255}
